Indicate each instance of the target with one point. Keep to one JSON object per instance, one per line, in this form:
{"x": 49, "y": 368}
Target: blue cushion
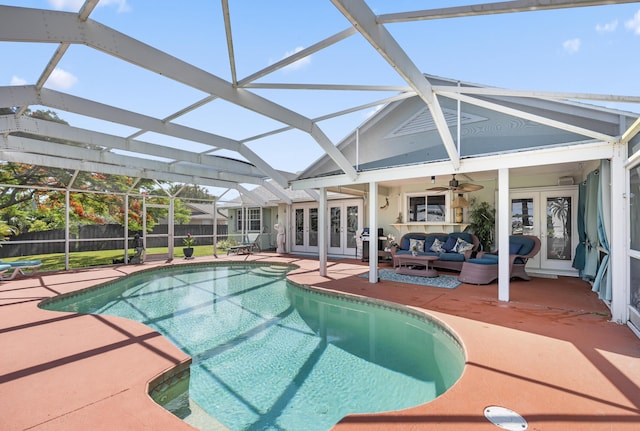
{"x": 420, "y": 253}
{"x": 428, "y": 242}
{"x": 20, "y": 263}
{"x": 482, "y": 261}
{"x": 514, "y": 247}
{"x": 451, "y": 257}
{"x": 451, "y": 242}
{"x": 489, "y": 257}
{"x": 526, "y": 243}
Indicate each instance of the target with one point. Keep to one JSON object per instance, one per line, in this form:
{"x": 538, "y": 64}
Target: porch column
{"x": 289, "y": 229}
{"x": 373, "y": 232}
{"x": 504, "y": 229}
{"x": 322, "y": 231}
{"x": 215, "y": 227}
{"x": 618, "y": 242}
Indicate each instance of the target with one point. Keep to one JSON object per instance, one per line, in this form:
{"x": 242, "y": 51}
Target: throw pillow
{"x": 437, "y": 246}
{"x": 417, "y": 243}
{"x": 462, "y": 246}
{"x": 450, "y": 244}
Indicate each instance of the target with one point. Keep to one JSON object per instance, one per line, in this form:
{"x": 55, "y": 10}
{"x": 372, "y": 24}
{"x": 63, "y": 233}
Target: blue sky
{"x": 591, "y": 50}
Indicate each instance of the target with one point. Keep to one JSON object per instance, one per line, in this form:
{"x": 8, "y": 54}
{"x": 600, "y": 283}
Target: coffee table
{"x": 406, "y": 261}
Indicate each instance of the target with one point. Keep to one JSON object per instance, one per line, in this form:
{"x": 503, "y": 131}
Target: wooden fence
{"x": 96, "y": 237}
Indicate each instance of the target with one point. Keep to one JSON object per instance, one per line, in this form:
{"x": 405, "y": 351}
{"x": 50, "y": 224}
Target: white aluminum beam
{"x": 35, "y": 147}
{"x": 491, "y": 9}
{"x": 535, "y": 118}
{"x": 93, "y": 109}
{"x": 70, "y": 164}
{"x": 385, "y": 101}
{"x": 631, "y": 132}
{"x": 446, "y": 90}
{"x": 251, "y": 196}
{"x": 299, "y": 55}
{"x": 9, "y": 123}
{"x": 329, "y": 87}
{"x": 277, "y": 191}
{"x": 33, "y": 25}
{"x": 359, "y": 14}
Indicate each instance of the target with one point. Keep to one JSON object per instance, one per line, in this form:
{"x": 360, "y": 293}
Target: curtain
{"x": 579, "y": 256}
{"x": 602, "y": 282}
{"x": 592, "y": 254}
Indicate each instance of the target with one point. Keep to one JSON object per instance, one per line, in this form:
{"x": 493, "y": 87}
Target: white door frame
{"x": 542, "y": 263}
{"x": 306, "y": 208}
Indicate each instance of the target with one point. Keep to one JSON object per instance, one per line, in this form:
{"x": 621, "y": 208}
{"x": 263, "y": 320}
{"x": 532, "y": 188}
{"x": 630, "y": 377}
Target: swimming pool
{"x": 268, "y": 354}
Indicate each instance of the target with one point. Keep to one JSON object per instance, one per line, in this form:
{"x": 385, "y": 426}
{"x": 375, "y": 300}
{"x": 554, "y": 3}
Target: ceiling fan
{"x": 456, "y": 186}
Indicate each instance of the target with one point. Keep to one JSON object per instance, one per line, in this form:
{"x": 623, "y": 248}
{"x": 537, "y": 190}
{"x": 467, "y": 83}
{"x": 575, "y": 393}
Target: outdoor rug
{"x": 444, "y": 281}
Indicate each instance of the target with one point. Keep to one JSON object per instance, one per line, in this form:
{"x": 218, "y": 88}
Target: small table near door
{"x": 407, "y": 261}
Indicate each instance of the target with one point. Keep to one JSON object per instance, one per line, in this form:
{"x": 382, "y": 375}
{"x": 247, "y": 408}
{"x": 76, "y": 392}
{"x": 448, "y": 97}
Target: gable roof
{"x": 492, "y": 122}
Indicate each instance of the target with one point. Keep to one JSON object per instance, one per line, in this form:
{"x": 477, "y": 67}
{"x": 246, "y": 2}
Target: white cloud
{"x": 16, "y": 80}
{"x": 297, "y": 64}
{"x": 75, "y": 5}
{"x": 608, "y": 27}
{"x": 61, "y": 79}
{"x": 572, "y": 45}
{"x": 634, "y": 23}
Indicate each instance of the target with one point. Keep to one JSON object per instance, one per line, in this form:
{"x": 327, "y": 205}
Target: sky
{"x": 584, "y": 50}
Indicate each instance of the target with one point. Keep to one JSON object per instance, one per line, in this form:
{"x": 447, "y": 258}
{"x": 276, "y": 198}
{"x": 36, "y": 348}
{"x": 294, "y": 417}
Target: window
{"x": 253, "y": 219}
{"x": 426, "y": 208}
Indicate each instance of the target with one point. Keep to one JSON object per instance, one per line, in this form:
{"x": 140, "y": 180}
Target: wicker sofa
{"x": 448, "y": 257}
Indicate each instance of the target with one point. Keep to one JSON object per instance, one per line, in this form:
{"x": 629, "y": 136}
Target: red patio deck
{"x": 550, "y": 354}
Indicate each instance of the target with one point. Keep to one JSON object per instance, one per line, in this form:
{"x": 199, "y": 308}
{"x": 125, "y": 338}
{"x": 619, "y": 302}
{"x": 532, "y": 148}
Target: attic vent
{"x": 422, "y": 121}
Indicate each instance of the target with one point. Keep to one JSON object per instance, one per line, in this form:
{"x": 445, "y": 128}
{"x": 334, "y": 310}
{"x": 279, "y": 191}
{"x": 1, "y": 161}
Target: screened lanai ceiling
{"x": 235, "y": 94}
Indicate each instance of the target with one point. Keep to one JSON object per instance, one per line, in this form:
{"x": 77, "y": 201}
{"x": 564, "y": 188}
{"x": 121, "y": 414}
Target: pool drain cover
{"x": 505, "y": 418}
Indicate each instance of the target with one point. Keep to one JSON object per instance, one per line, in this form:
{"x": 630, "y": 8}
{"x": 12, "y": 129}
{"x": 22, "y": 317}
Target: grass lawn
{"x": 85, "y": 259}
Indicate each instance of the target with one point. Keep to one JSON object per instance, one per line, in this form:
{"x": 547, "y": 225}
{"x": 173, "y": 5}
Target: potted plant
{"x": 482, "y": 221}
{"x": 188, "y": 243}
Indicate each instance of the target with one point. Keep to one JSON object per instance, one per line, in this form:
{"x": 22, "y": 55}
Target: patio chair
{"x": 250, "y": 243}
{"x": 484, "y": 268}
{"x": 23, "y": 267}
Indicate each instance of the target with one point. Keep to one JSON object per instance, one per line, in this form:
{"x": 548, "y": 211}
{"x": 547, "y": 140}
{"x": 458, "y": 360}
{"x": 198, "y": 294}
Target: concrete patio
{"x": 550, "y": 354}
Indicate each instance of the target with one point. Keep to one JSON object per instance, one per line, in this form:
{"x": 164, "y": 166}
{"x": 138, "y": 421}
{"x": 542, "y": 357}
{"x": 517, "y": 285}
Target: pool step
{"x": 273, "y": 270}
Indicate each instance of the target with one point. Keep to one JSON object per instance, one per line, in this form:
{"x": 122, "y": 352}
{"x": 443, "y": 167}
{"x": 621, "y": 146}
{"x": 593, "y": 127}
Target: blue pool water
{"x": 269, "y": 355}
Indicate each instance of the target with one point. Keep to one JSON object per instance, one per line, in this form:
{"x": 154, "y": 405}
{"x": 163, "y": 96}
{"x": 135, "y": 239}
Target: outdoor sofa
{"x": 452, "y": 249}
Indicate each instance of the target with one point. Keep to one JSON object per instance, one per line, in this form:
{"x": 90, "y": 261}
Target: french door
{"x": 634, "y": 249}
{"x": 344, "y": 218}
{"x": 305, "y": 229}
{"x": 551, "y": 215}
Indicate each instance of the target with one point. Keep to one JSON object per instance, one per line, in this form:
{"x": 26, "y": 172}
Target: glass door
{"x": 525, "y": 219}
{"x": 336, "y": 229}
{"x": 306, "y": 229}
{"x": 550, "y": 214}
{"x": 634, "y": 251}
{"x": 559, "y": 238}
{"x": 344, "y": 220}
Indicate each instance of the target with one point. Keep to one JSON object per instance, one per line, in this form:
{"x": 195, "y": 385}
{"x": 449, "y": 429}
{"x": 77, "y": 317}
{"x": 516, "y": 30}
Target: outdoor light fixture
{"x": 433, "y": 179}
{"x": 459, "y": 203}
